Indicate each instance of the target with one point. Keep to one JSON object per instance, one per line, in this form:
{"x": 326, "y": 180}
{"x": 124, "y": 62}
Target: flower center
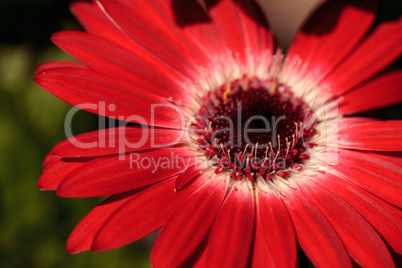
{"x": 251, "y": 127}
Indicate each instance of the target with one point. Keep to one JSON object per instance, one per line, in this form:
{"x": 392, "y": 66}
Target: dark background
{"x": 35, "y": 225}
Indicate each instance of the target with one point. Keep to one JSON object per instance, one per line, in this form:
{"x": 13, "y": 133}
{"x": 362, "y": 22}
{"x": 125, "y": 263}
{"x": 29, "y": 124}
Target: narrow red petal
{"x": 174, "y": 30}
{"x": 171, "y": 26}
{"x": 262, "y": 256}
{"x": 376, "y": 136}
{"x": 142, "y": 214}
{"x": 53, "y": 175}
{"x": 257, "y": 34}
{"x": 228, "y": 29}
{"x": 187, "y": 227}
{"x": 235, "y": 27}
{"x": 112, "y": 175}
{"x": 83, "y": 234}
{"x": 275, "y": 240}
{"x": 113, "y": 141}
{"x": 187, "y": 176}
{"x": 347, "y": 122}
{"x": 217, "y": 32}
{"x": 110, "y": 97}
{"x": 390, "y": 157}
{"x": 151, "y": 32}
{"x": 82, "y": 238}
{"x": 96, "y": 22}
{"x": 49, "y": 160}
{"x": 111, "y": 59}
{"x": 380, "y": 92}
{"x": 376, "y": 52}
{"x": 229, "y": 242}
{"x": 374, "y": 210}
{"x": 57, "y": 64}
{"x": 314, "y": 233}
{"x": 376, "y": 175}
{"x": 397, "y": 211}
{"x": 360, "y": 239}
{"x": 197, "y": 25}
{"x": 329, "y": 35}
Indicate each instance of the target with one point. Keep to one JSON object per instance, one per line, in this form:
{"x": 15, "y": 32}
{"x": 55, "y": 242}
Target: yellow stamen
{"x": 227, "y": 92}
{"x": 273, "y": 88}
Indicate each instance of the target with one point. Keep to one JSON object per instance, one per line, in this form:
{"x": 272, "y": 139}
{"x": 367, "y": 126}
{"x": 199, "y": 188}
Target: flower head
{"x": 238, "y": 152}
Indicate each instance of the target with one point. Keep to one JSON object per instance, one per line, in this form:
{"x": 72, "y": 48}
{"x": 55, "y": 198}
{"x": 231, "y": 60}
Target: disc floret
{"x": 253, "y": 127}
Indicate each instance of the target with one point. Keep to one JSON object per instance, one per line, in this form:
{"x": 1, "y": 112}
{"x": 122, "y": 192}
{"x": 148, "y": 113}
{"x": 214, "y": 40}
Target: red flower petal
{"x": 197, "y": 25}
{"x": 391, "y": 157}
{"x": 229, "y": 242}
{"x": 84, "y": 233}
{"x": 376, "y": 175}
{"x": 329, "y": 35}
{"x": 109, "y": 58}
{"x": 112, "y": 175}
{"x": 142, "y": 214}
{"x": 381, "y": 91}
{"x": 188, "y": 226}
{"x": 169, "y": 27}
{"x": 374, "y": 210}
{"x": 49, "y": 160}
{"x": 228, "y": 29}
{"x": 108, "y": 96}
{"x": 376, "y": 136}
{"x": 230, "y": 20}
{"x": 96, "y": 22}
{"x": 119, "y": 140}
{"x": 396, "y": 210}
{"x": 57, "y": 64}
{"x": 187, "y": 176}
{"x": 258, "y": 37}
{"x": 151, "y": 32}
{"x": 275, "y": 241}
{"x": 360, "y": 239}
{"x": 314, "y": 233}
{"x": 376, "y": 52}
{"x": 347, "y": 122}
{"x": 53, "y": 175}
{"x": 229, "y": 25}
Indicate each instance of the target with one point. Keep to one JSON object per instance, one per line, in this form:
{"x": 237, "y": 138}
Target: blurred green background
{"x": 35, "y": 225}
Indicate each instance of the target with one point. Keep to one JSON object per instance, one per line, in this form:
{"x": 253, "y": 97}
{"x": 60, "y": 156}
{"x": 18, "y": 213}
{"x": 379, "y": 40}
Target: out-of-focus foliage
{"x": 35, "y": 225}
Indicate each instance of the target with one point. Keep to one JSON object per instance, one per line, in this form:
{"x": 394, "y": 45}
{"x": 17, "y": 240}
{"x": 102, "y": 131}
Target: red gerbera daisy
{"x": 237, "y": 152}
